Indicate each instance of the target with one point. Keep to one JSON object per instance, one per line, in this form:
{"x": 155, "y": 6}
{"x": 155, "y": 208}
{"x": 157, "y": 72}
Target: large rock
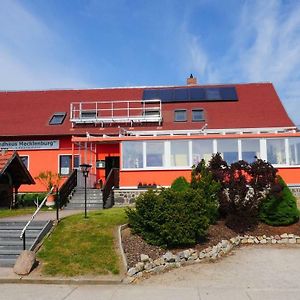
{"x": 25, "y": 262}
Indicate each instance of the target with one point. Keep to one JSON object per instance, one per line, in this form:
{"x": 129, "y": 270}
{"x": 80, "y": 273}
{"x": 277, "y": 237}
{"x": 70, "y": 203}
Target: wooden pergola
{"x": 13, "y": 173}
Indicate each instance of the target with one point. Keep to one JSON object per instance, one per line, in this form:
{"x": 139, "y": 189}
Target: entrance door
{"x": 110, "y": 163}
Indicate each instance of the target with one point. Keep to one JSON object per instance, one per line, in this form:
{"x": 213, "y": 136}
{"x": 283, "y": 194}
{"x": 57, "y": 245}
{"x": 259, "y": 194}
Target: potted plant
{"x": 49, "y": 180}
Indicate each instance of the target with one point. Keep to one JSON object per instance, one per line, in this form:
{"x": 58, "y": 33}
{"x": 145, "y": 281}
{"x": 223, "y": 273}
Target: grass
{"x": 81, "y": 246}
{"x": 4, "y": 212}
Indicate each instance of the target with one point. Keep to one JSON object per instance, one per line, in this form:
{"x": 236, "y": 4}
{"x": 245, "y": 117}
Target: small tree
{"x": 49, "y": 179}
{"x": 280, "y": 207}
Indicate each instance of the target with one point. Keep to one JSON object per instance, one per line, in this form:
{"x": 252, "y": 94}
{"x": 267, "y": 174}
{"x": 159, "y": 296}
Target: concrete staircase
{"x": 93, "y": 196}
{"x": 11, "y": 245}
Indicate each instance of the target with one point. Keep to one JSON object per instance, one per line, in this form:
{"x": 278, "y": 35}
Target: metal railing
{"x": 112, "y": 181}
{"x": 66, "y": 189}
{"x": 23, "y": 233}
{"x": 124, "y": 111}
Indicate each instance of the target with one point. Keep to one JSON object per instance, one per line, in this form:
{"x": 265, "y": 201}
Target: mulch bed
{"x": 134, "y": 245}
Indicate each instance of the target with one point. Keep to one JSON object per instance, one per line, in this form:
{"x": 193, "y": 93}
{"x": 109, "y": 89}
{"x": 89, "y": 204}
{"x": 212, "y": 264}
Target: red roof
{"x": 27, "y": 113}
{"x": 4, "y": 160}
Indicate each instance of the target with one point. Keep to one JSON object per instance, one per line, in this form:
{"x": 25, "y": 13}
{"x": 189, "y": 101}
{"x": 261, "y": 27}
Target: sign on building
{"x": 30, "y": 145}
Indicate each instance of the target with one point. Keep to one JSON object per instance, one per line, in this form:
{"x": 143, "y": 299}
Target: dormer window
{"x": 57, "y": 118}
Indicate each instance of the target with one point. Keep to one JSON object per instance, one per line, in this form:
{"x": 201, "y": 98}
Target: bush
{"x": 29, "y": 199}
{"x": 180, "y": 184}
{"x": 202, "y": 181}
{"x": 280, "y": 207}
{"x": 243, "y": 188}
{"x": 171, "y": 218}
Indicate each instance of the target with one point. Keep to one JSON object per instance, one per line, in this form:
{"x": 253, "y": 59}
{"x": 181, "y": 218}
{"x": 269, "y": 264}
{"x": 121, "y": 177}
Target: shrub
{"x": 180, "y": 184}
{"x": 202, "y": 181}
{"x": 243, "y": 188}
{"x": 29, "y": 199}
{"x": 171, "y": 218}
{"x": 280, "y": 207}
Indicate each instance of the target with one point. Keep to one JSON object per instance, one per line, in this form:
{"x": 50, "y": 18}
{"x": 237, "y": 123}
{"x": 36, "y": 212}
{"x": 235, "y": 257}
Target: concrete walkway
{"x": 44, "y": 215}
{"x": 252, "y": 273}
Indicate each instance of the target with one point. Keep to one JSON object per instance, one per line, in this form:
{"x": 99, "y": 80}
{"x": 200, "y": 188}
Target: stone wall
{"x": 123, "y": 197}
{"x": 295, "y": 190}
{"x": 191, "y": 256}
{"x": 126, "y": 197}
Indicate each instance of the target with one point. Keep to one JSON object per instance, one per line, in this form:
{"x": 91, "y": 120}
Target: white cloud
{"x": 29, "y": 58}
{"x": 265, "y": 47}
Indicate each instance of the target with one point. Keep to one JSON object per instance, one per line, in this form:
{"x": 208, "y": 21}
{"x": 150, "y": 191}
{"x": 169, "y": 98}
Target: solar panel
{"x": 229, "y": 93}
{"x": 191, "y": 94}
{"x": 213, "y": 94}
{"x": 181, "y": 95}
{"x": 166, "y": 95}
{"x": 197, "y": 94}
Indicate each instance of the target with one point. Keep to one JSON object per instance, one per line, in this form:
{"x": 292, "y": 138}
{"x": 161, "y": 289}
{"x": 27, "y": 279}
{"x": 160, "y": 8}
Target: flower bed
{"x": 144, "y": 259}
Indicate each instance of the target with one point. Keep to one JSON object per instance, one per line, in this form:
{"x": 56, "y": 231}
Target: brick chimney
{"x": 191, "y": 80}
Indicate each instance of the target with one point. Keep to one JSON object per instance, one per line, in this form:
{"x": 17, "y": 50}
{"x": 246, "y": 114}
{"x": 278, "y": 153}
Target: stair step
{"x": 10, "y": 252}
{"x": 16, "y": 233}
{"x": 7, "y": 262}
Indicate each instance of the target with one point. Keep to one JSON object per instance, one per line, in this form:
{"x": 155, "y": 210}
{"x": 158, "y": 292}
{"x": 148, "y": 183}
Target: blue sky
{"x": 99, "y": 43}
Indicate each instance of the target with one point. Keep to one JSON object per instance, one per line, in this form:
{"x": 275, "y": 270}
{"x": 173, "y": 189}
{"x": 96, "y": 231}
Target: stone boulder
{"x": 25, "y": 262}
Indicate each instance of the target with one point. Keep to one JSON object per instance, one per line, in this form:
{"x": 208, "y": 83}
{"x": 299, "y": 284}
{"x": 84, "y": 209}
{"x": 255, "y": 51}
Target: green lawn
{"x": 81, "y": 246}
{"x": 16, "y": 212}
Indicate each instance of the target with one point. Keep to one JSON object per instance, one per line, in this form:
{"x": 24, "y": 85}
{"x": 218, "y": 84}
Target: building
{"x": 148, "y": 135}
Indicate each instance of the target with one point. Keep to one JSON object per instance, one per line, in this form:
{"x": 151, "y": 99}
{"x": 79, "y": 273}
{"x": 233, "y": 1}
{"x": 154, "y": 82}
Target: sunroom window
{"x": 276, "y": 151}
{"x": 132, "y": 155}
{"x": 202, "y": 149}
{"x": 154, "y": 154}
{"x": 250, "y": 150}
{"x": 229, "y": 150}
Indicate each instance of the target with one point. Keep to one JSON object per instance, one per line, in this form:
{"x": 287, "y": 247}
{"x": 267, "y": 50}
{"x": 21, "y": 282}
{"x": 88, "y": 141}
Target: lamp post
{"x": 85, "y": 168}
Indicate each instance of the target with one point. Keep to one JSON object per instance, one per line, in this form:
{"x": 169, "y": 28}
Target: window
{"x": 88, "y": 114}
{"x": 294, "y": 150}
{"x": 197, "y": 115}
{"x": 152, "y": 113}
{"x": 76, "y": 161}
{"x": 202, "y": 149}
{"x": 132, "y": 154}
{"x": 180, "y": 115}
{"x": 57, "y": 118}
{"x": 65, "y": 165}
{"x": 250, "y": 150}
{"x": 154, "y": 154}
{"x": 276, "y": 151}
{"x": 25, "y": 160}
{"x": 179, "y": 153}
{"x": 229, "y": 150}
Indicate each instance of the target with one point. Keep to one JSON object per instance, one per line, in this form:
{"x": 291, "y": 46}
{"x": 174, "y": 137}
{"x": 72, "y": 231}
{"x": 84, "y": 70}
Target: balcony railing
{"x": 127, "y": 111}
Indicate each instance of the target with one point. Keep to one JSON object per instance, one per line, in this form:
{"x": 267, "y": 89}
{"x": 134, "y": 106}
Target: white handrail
{"x": 35, "y": 213}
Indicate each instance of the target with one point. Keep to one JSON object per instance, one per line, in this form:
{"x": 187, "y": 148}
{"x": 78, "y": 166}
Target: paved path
{"x": 251, "y": 273}
{"x": 44, "y": 215}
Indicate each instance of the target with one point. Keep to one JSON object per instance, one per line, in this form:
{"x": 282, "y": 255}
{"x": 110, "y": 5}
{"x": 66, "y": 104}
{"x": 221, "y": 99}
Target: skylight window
{"x": 57, "y": 118}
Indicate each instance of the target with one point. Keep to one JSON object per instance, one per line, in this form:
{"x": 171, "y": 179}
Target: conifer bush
{"x": 280, "y": 207}
{"x": 180, "y": 184}
{"x": 171, "y": 218}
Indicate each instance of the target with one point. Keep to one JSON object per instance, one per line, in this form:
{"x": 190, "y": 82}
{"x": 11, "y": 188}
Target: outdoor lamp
{"x": 85, "y": 168}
